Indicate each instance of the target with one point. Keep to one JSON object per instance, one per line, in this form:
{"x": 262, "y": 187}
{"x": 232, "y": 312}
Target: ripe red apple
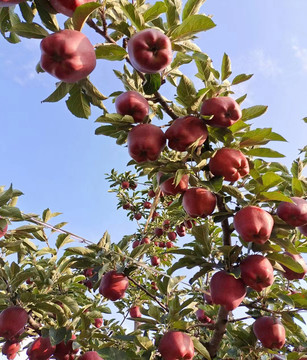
{"x": 10, "y": 349}
{"x": 158, "y": 231}
{"x": 176, "y": 345}
{"x": 145, "y": 240}
{"x": 154, "y": 286}
{"x": 145, "y": 142}
{"x": 207, "y": 298}
{"x": 202, "y": 317}
{"x": 188, "y": 224}
{"x": 126, "y": 206}
{"x": 90, "y": 355}
{"x": 270, "y": 332}
{"x": 168, "y": 186}
{"x": 3, "y": 231}
{"x": 88, "y": 283}
{"x": 229, "y": 163}
{"x": 151, "y": 193}
{"x": 303, "y": 229}
{"x": 125, "y": 185}
{"x": 171, "y": 235}
{"x": 98, "y": 322}
{"x": 135, "y": 312}
{"x": 295, "y": 213}
{"x": 132, "y": 103}
{"x": 65, "y": 351}
{"x": 166, "y": 224}
{"x": 257, "y": 272}
{"x": 155, "y": 261}
{"x": 12, "y": 322}
{"x": 185, "y": 131}
{"x": 225, "y": 110}
{"x": 7, "y": 3}
{"x": 292, "y": 275}
{"x": 40, "y": 349}
{"x": 147, "y": 205}
{"x": 88, "y": 272}
{"x": 68, "y": 55}
{"x": 150, "y": 51}
{"x": 135, "y": 244}
{"x": 253, "y": 224}
{"x": 198, "y": 202}
{"x": 113, "y": 285}
{"x": 162, "y": 244}
{"x": 67, "y": 7}
{"x": 169, "y": 244}
{"x": 138, "y": 216}
{"x": 226, "y": 290}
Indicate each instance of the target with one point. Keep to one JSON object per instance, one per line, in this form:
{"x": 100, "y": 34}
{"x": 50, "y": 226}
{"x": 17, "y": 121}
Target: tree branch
{"x": 164, "y": 105}
{"x": 224, "y": 224}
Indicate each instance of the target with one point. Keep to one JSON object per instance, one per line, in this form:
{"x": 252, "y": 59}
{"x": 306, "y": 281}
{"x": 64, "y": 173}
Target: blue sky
{"x": 58, "y": 162}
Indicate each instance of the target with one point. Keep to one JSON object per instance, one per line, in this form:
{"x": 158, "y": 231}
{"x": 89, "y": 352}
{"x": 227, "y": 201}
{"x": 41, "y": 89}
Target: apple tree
{"x": 214, "y": 266}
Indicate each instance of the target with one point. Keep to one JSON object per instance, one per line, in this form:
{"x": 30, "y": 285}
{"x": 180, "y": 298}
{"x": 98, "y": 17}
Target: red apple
{"x": 166, "y": 224}
{"x": 253, "y": 224}
{"x": 257, "y": 272}
{"x": 135, "y": 312}
{"x": 225, "y": 110}
{"x": 7, "y": 3}
{"x": 169, "y": 245}
{"x": 207, "y": 298}
{"x": 168, "y": 186}
{"x": 158, "y": 231}
{"x": 10, "y": 349}
{"x": 150, "y": 51}
{"x": 295, "y": 213}
{"x": 162, "y": 244}
{"x": 88, "y": 272}
{"x": 67, "y": 7}
{"x": 126, "y": 206}
{"x": 229, "y": 163}
{"x": 40, "y": 349}
{"x": 176, "y": 345}
{"x": 151, "y": 193}
{"x": 171, "y": 235}
{"x": 68, "y": 55}
{"x": 145, "y": 142}
{"x": 185, "y": 131}
{"x": 154, "y": 286}
{"x": 188, "y": 224}
{"x": 88, "y": 283}
{"x": 155, "y": 261}
{"x": 202, "y": 317}
{"x": 145, "y": 240}
{"x": 147, "y": 205}
{"x": 113, "y": 285}
{"x": 3, "y": 231}
{"x": 135, "y": 244}
{"x": 303, "y": 229}
{"x": 65, "y": 351}
{"x": 90, "y": 355}
{"x": 270, "y": 332}
{"x": 12, "y": 322}
{"x": 226, "y": 290}
{"x": 125, "y": 185}
{"x": 292, "y": 275}
{"x": 198, "y": 202}
{"x": 98, "y": 322}
{"x": 138, "y": 216}
{"x": 132, "y": 103}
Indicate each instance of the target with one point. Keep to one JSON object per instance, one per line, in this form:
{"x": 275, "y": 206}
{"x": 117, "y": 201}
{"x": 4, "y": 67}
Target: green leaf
{"x": 30, "y": 31}
{"x": 186, "y": 91}
{"x": 253, "y": 112}
{"x": 10, "y": 211}
{"x": 271, "y": 179}
{"x": 57, "y": 335}
{"x": 201, "y": 348}
{"x": 191, "y": 8}
{"x": 240, "y": 78}
{"x": 297, "y": 187}
{"x": 274, "y": 196}
{"x": 60, "y": 92}
{"x": 112, "y": 52}
{"x": 152, "y": 83}
{"x": 255, "y": 137}
{"x": 110, "y": 353}
{"x": 287, "y": 261}
{"x": 174, "y": 282}
{"x": 62, "y": 239}
{"x": 78, "y": 104}
{"x": 172, "y": 12}
{"x": 201, "y": 234}
{"x": 48, "y": 19}
{"x": 226, "y": 67}
{"x": 190, "y": 26}
{"x": 81, "y": 14}
{"x": 154, "y": 11}
{"x": 264, "y": 152}
{"x": 133, "y": 15}
{"x": 26, "y": 11}
{"x": 79, "y": 251}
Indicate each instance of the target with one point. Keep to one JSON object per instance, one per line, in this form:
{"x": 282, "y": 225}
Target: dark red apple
{"x": 185, "y": 131}
{"x": 40, "y": 349}
{"x": 226, "y": 290}
{"x": 138, "y": 216}
{"x": 132, "y": 103}
{"x": 151, "y": 193}
{"x": 176, "y": 345}
{"x": 292, "y": 275}
{"x": 169, "y": 245}
{"x": 155, "y": 261}
{"x": 257, "y": 272}
{"x": 145, "y": 142}
{"x": 171, "y": 235}
{"x": 166, "y": 224}
{"x": 90, "y": 355}
{"x": 168, "y": 186}
{"x": 135, "y": 244}
{"x": 229, "y": 163}
{"x": 158, "y": 231}
{"x": 147, "y": 205}
{"x": 7, "y": 3}
{"x": 225, "y": 110}
{"x": 207, "y": 298}
{"x": 64, "y": 351}
{"x": 270, "y": 332}
{"x": 145, "y": 240}
{"x": 88, "y": 283}
{"x": 295, "y": 213}
{"x": 150, "y": 51}
{"x": 126, "y": 206}
{"x": 10, "y": 349}
{"x": 88, "y": 272}
{"x": 12, "y": 322}
{"x": 125, "y": 185}
{"x": 202, "y": 317}
{"x": 162, "y": 244}
{"x": 113, "y": 285}
{"x": 135, "y": 312}
{"x": 253, "y": 224}
{"x": 303, "y": 229}
{"x": 67, "y": 7}
{"x": 68, "y": 55}
{"x": 198, "y": 202}
{"x": 154, "y": 286}
{"x": 188, "y": 224}
{"x": 98, "y": 322}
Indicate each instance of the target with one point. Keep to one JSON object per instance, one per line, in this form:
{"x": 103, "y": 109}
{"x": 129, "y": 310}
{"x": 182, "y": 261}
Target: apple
{"x": 138, "y": 216}
{"x": 270, "y": 332}
{"x": 155, "y": 261}
{"x": 229, "y": 163}
{"x": 113, "y": 285}
{"x": 98, "y": 322}
{"x": 225, "y": 110}
{"x": 90, "y": 355}
{"x": 67, "y": 7}
{"x": 162, "y": 244}
{"x": 65, "y": 351}
{"x": 185, "y": 131}
{"x": 135, "y": 244}
{"x": 7, "y": 3}
{"x": 303, "y": 229}
{"x": 145, "y": 240}
{"x": 125, "y": 185}
{"x": 198, "y": 202}
{"x": 10, "y": 349}
{"x": 202, "y": 317}
{"x": 207, "y": 298}
{"x": 253, "y": 224}
{"x": 158, "y": 231}
{"x": 133, "y": 185}
{"x": 257, "y": 272}
{"x": 147, "y": 205}
{"x": 40, "y": 349}
{"x": 12, "y": 322}
{"x": 126, "y": 206}
{"x": 171, "y": 235}
{"x": 168, "y": 186}
{"x": 188, "y": 224}
{"x": 154, "y": 286}
{"x": 292, "y": 275}
{"x": 145, "y": 142}
{"x": 3, "y": 231}
{"x": 132, "y": 103}
{"x": 226, "y": 290}
{"x": 88, "y": 272}
{"x": 151, "y": 193}
{"x": 176, "y": 345}
{"x": 88, "y": 283}
{"x": 150, "y": 51}
{"x": 295, "y": 213}
{"x": 68, "y": 55}
{"x": 135, "y": 312}
{"x": 169, "y": 245}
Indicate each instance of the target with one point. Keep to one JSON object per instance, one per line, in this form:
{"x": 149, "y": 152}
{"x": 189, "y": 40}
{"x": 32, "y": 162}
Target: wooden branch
{"x": 164, "y": 105}
{"x": 224, "y": 224}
